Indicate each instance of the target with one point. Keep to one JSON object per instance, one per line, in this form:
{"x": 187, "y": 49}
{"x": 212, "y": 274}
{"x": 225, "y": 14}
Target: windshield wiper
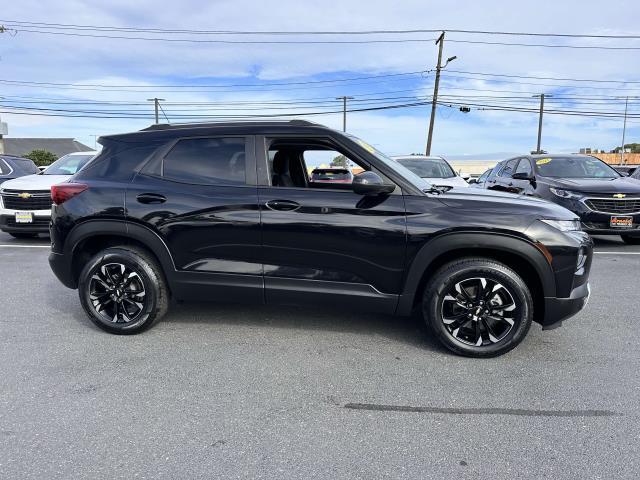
{"x": 437, "y": 189}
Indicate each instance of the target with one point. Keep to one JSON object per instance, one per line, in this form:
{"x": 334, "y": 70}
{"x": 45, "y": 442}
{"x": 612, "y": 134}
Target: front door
{"x": 322, "y": 243}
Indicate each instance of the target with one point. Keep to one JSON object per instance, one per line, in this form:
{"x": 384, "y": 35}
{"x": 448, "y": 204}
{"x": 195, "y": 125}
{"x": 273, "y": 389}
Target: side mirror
{"x": 370, "y": 183}
{"x": 523, "y": 176}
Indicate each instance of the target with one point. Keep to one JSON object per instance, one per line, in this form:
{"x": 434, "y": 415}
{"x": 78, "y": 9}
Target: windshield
{"x": 407, "y": 174}
{"x": 428, "y": 167}
{"x": 574, "y": 167}
{"x": 68, "y": 165}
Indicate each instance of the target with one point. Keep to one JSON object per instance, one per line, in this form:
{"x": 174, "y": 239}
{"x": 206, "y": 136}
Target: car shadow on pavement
{"x": 409, "y": 330}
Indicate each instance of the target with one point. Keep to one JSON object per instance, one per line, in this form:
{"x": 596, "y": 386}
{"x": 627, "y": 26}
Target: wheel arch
{"x": 88, "y": 238}
{"x": 522, "y": 256}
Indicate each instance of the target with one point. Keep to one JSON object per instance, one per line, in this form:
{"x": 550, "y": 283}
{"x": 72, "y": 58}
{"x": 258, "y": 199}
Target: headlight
{"x": 564, "y": 225}
{"x": 558, "y": 192}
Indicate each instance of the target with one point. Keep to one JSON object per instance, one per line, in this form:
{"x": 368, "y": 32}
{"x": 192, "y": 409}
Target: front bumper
{"x": 596, "y": 222}
{"x": 40, "y": 224}
{"x": 559, "y": 309}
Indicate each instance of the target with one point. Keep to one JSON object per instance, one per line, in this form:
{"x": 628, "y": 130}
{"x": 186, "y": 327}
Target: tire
{"x": 630, "y": 239}
{"x": 489, "y": 329}
{"x": 23, "y": 235}
{"x": 123, "y": 290}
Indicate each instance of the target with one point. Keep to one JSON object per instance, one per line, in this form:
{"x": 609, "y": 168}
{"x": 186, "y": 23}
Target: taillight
{"x": 64, "y": 191}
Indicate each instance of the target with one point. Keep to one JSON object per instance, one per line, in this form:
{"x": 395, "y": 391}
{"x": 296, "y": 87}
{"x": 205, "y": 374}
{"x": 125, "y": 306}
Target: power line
{"x": 319, "y": 32}
{"x": 545, "y": 78}
{"x": 216, "y": 41}
{"x": 543, "y": 45}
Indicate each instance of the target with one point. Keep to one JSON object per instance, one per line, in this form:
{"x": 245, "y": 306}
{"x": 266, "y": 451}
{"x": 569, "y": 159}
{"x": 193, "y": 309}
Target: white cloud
{"x": 44, "y": 58}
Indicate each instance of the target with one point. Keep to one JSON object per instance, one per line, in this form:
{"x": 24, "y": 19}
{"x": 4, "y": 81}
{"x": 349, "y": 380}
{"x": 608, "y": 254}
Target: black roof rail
{"x": 168, "y": 126}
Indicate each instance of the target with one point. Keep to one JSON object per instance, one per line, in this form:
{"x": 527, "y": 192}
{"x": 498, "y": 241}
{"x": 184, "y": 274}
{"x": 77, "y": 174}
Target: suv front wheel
{"x": 123, "y": 290}
{"x": 478, "y": 307}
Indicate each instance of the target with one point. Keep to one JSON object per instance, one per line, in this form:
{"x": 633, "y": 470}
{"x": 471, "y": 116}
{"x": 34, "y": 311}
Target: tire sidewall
{"x": 434, "y": 295}
{"x": 135, "y": 263}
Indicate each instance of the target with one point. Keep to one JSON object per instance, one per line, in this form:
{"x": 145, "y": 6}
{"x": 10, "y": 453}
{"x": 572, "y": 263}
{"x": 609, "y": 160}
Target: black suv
{"x": 607, "y": 202}
{"x": 13, "y": 167}
{"x": 226, "y": 212}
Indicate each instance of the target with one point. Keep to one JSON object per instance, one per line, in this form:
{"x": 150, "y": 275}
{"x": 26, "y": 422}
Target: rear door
{"x": 199, "y": 195}
{"x": 322, "y": 243}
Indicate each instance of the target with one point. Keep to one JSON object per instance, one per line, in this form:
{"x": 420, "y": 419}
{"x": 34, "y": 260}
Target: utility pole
{"x": 624, "y": 130}
{"x": 538, "y": 150}
{"x": 156, "y": 101}
{"x": 344, "y": 111}
{"x": 439, "y": 67}
{"x": 95, "y": 141}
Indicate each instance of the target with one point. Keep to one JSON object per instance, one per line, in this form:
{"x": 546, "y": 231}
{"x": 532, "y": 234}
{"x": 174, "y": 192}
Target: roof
{"x": 256, "y": 127}
{"x": 58, "y": 146}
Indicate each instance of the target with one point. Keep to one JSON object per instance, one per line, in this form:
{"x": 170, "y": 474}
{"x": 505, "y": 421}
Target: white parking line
{"x": 616, "y": 253}
{"x": 25, "y": 246}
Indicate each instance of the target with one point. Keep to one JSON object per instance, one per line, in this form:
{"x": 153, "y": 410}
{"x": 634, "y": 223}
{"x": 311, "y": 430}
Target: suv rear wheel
{"x": 630, "y": 239}
{"x": 478, "y": 307}
{"x": 123, "y": 290}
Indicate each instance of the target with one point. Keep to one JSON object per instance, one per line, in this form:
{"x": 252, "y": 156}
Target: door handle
{"x": 282, "y": 205}
{"x": 151, "y": 198}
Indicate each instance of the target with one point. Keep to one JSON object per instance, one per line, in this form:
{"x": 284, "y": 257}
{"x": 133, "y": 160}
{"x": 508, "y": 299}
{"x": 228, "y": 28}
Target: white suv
{"x": 25, "y": 202}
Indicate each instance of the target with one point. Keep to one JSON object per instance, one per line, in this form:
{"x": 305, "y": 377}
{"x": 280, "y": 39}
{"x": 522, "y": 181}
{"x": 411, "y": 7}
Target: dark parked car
{"x": 198, "y": 212}
{"x": 627, "y": 170}
{"x": 13, "y": 167}
{"x": 607, "y": 202}
{"x": 331, "y": 175}
{"x": 481, "y": 180}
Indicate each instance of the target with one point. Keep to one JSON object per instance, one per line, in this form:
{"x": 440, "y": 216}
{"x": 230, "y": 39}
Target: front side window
{"x": 507, "y": 171}
{"x": 574, "y": 167}
{"x": 524, "y": 167}
{"x": 207, "y": 161}
{"x": 484, "y": 176}
{"x": 313, "y": 164}
{"x": 68, "y": 165}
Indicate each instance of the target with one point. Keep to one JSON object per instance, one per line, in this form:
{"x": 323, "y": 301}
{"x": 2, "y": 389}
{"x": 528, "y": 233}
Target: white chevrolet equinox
{"x": 25, "y": 202}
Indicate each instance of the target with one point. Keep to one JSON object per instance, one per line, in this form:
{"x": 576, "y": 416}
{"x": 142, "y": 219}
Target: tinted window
{"x": 207, "y": 161}
{"x": 428, "y": 167}
{"x": 524, "y": 166}
{"x": 26, "y": 165}
{"x": 574, "y": 167}
{"x": 484, "y": 176}
{"x": 4, "y": 168}
{"x": 507, "y": 171}
{"x": 68, "y": 165}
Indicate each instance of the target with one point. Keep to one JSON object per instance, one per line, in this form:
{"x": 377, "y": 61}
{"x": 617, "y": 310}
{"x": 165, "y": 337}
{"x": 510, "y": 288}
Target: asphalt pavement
{"x": 230, "y": 391}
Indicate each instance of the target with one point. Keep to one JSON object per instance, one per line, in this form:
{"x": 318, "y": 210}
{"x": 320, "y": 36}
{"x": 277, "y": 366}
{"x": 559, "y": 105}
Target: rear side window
{"x": 27, "y": 166}
{"x": 4, "y": 168}
{"x": 207, "y": 161}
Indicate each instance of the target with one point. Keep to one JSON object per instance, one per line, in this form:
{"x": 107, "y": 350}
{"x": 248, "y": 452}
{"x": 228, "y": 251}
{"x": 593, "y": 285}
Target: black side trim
{"x": 469, "y": 240}
{"x": 296, "y": 291}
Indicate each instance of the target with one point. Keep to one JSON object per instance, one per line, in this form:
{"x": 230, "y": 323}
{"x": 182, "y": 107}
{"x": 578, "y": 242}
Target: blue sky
{"x": 53, "y": 58}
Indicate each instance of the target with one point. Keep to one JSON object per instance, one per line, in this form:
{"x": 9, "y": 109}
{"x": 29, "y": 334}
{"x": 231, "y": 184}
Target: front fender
{"x": 465, "y": 243}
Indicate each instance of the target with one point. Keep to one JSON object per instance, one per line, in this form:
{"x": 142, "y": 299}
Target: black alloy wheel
{"x": 123, "y": 290}
{"x": 478, "y": 307}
